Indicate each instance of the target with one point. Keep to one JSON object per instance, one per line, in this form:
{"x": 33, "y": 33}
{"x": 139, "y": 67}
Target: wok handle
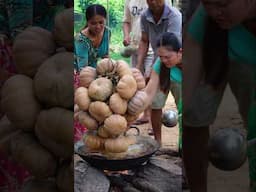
{"x": 133, "y": 127}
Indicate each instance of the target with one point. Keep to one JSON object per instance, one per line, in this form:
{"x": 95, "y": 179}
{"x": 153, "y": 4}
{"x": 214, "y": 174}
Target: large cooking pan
{"x": 136, "y": 155}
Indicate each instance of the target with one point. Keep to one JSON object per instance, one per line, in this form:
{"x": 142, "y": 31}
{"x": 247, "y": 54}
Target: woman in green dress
{"x": 92, "y": 42}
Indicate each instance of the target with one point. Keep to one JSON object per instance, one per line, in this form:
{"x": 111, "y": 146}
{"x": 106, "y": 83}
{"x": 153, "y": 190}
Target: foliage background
{"x": 115, "y": 11}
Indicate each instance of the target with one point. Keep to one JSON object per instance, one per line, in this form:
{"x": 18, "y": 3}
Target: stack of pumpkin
{"x": 38, "y": 106}
{"x": 104, "y": 104}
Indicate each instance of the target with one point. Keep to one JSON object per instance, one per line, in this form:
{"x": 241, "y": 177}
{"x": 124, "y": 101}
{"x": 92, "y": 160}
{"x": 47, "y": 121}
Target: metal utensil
{"x": 170, "y": 118}
{"x": 228, "y": 148}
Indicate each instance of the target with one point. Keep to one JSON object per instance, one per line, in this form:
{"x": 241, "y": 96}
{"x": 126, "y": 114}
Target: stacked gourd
{"x": 104, "y": 104}
{"x": 38, "y": 102}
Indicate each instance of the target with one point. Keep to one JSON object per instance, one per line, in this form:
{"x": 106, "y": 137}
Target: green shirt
{"x": 86, "y": 54}
{"x": 241, "y": 42}
{"x": 175, "y": 72}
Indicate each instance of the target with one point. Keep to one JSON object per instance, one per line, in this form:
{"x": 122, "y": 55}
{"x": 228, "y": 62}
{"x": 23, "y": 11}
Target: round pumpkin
{"x": 87, "y": 75}
{"x": 102, "y": 132}
{"x": 139, "y": 78}
{"x": 105, "y": 66}
{"x": 126, "y": 87}
{"x": 99, "y": 110}
{"x": 31, "y": 48}
{"x": 137, "y": 103}
{"x": 117, "y": 104}
{"x": 82, "y": 98}
{"x": 76, "y": 112}
{"x": 19, "y": 102}
{"x": 63, "y": 29}
{"x": 130, "y": 139}
{"x": 116, "y": 145}
{"x": 131, "y": 118}
{"x": 122, "y": 68}
{"x": 100, "y": 89}
{"x": 26, "y": 150}
{"x": 93, "y": 142}
{"x": 54, "y": 129}
{"x": 86, "y": 120}
{"x": 53, "y": 82}
{"x": 115, "y": 125}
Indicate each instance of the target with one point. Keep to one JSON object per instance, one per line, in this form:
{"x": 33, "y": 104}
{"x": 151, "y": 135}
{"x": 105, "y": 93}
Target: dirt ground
{"x": 228, "y": 116}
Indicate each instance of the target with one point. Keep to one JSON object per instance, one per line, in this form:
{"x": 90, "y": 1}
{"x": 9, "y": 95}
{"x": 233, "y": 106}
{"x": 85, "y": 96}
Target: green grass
{"x": 117, "y": 56}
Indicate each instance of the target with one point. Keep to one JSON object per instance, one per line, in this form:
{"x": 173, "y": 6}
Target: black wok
{"x": 136, "y": 155}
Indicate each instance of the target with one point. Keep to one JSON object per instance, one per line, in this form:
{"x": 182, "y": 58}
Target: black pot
{"x": 147, "y": 147}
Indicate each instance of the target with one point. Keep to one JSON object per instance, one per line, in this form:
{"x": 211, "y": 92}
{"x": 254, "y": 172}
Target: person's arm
{"x": 192, "y": 70}
{"x": 126, "y": 33}
{"x": 142, "y": 51}
{"x": 149, "y": 93}
{"x": 152, "y": 87}
{"x": 126, "y": 24}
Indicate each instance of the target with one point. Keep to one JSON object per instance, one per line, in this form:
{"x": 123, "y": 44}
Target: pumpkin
{"x": 26, "y": 150}
{"x": 63, "y": 29}
{"x": 65, "y": 177}
{"x": 86, "y": 120}
{"x": 100, "y": 89}
{"x": 76, "y": 111}
{"x": 126, "y": 87}
{"x": 116, "y": 145}
{"x": 105, "y": 66}
{"x": 19, "y": 102}
{"x": 102, "y": 132}
{"x": 130, "y": 139}
{"x": 137, "y": 103}
{"x": 87, "y": 75}
{"x": 122, "y": 68}
{"x": 37, "y": 185}
{"x": 54, "y": 129}
{"x": 53, "y": 83}
{"x": 131, "y": 118}
{"x": 117, "y": 104}
{"x": 128, "y": 50}
{"x": 99, "y": 110}
{"x": 31, "y": 48}
{"x": 93, "y": 142}
{"x": 115, "y": 125}
{"x": 139, "y": 78}
{"x": 82, "y": 98}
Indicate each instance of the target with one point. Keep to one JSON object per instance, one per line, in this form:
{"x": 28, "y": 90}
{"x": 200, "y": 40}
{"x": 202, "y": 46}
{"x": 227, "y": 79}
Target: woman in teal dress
{"x": 166, "y": 75}
{"x": 92, "y": 42}
{"x": 219, "y": 49}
